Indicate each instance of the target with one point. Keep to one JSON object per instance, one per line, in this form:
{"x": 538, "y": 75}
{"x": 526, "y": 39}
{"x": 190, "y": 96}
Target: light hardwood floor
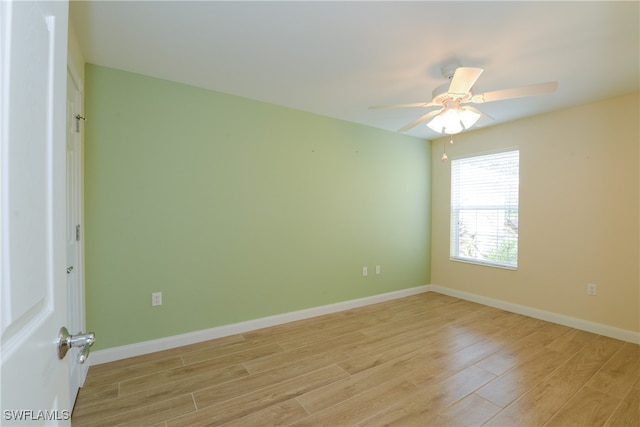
{"x": 425, "y": 360}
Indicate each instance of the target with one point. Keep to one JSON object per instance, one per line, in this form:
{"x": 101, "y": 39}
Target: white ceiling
{"x": 338, "y": 58}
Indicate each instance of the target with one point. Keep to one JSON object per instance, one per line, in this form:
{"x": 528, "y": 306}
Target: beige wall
{"x": 579, "y": 214}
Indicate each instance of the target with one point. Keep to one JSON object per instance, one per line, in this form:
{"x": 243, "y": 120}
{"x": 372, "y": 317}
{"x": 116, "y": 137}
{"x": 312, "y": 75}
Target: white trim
{"x": 573, "y": 322}
{"x": 131, "y": 350}
{"x": 146, "y": 347}
{"x": 485, "y": 153}
{"x": 483, "y": 263}
{"x": 74, "y": 74}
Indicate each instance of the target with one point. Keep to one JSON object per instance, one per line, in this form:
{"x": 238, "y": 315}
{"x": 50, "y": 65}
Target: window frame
{"x": 454, "y": 236}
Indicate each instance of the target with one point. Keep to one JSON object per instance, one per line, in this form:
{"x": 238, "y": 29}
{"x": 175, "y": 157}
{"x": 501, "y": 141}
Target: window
{"x": 484, "y": 209}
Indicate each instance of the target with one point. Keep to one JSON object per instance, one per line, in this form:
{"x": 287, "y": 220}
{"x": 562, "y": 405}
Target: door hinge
{"x": 77, "y": 233}
{"x": 78, "y": 118}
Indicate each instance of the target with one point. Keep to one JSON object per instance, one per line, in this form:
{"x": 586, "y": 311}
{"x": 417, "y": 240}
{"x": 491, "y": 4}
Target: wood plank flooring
{"x": 424, "y": 360}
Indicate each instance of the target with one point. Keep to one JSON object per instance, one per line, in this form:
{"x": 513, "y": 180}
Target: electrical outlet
{"x": 592, "y": 288}
{"x": 365, "y": 271}
{"x": 377, "y": 269}
{"x": 156, "y": 299}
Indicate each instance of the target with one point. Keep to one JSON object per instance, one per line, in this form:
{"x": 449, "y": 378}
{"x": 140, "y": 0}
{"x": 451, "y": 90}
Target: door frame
{"x": 76, "y": 302}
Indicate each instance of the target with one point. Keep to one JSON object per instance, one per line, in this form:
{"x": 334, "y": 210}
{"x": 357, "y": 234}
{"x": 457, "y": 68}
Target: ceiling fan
{"x": 450, "y": 108}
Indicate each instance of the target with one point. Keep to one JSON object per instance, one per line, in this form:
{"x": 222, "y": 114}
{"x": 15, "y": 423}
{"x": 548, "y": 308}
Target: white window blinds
{"x": 484, "y": 209}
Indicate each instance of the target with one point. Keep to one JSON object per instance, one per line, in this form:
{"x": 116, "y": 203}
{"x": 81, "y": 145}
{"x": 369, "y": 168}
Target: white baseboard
{"x": 146, "y": 347}
{"x": 573, "y": 322}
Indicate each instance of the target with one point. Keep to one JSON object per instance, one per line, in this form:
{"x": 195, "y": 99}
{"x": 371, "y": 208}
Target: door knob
{"x": 66, "y": 341}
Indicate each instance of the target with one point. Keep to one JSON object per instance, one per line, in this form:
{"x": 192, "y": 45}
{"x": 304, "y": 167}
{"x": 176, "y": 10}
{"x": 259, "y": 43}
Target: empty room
{"x": 324, "y": 213}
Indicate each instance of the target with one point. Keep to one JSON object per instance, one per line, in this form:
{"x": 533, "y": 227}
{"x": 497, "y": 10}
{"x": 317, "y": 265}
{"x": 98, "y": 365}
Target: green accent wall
{"x": 236, "y": 209}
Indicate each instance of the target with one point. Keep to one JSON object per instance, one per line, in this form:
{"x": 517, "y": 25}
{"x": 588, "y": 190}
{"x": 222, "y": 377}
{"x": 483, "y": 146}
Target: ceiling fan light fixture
{"x": 453, "y": 127}
{"x": 436, "y": 124}
{"x": 453, "y": 120}
{"x": 468, "y": 118}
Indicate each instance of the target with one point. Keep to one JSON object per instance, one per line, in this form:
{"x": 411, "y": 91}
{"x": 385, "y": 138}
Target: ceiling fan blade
{"x": 409, "y": 105}
{"x": 516, "y": 92}
{"x": 420, "y": 119}
{"x": 463, "y": 80}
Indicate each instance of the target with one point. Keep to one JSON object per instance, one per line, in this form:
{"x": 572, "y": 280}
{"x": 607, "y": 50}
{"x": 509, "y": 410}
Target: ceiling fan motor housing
{"x": 441, "y": 95}
{"x": 449, "y": 69}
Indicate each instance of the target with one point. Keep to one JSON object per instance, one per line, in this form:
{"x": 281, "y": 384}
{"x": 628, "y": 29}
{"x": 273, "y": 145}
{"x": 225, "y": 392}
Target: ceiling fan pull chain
{"x": 444, "y": 150}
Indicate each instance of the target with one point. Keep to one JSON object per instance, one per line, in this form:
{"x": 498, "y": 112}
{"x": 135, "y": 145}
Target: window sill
{"x": 484, "y": 264}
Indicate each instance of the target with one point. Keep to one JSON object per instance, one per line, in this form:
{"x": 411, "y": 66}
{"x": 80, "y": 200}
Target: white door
{"x": 75, "y": 276}
{"x": 33, "y": 69}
